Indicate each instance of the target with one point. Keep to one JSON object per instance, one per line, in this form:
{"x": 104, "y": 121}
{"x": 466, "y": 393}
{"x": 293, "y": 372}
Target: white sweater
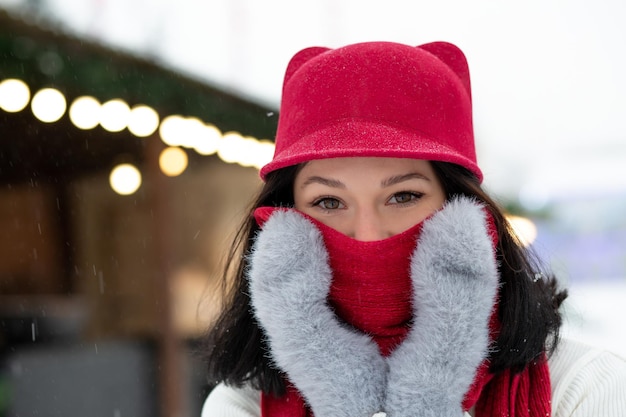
{"x": 586, "y": 382}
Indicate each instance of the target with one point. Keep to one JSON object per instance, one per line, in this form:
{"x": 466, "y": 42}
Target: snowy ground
{"x": 596, "y": 313}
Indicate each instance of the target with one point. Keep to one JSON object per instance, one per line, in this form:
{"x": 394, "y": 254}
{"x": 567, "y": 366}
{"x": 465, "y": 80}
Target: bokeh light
{"x": 524, "y": 228}
{"x": 48, "y": 105}
{"x": 170, "y": 129}
{"x": 14, "y": 95}
{"x": 264, "y": 153}
{"x": 209, "y": 140}
{"x": 114, "y": 115}
{"x": 230, "y": 147}
{"x": 144, "y": 121}
{"x": 125, "y": 179}
{"x": 85, "y": 112}
{"x": 173, "y": 161}
{"x": 248, "y": 152}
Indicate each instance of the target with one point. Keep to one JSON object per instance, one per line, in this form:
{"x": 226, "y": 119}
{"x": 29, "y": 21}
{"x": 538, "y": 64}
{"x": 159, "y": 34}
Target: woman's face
{"x": 368, "y": 199}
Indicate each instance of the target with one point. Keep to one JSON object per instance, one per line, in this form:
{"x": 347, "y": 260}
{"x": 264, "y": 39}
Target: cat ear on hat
{"x": 300, "y": 58}
{"x": 454, "y": 58}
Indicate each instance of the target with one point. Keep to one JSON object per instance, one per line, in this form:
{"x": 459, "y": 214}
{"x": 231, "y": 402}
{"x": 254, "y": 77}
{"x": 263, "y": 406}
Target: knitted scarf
{"x": 371, "y": 290}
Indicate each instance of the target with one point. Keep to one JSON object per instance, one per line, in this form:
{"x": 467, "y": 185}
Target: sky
{"x": 547, "y": 79}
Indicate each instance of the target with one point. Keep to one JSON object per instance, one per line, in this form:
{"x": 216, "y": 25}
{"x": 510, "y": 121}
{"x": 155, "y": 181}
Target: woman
{"x": 378, "y": 278}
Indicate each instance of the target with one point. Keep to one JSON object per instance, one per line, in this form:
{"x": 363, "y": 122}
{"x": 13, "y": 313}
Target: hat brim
{"x": 358, "y": 138}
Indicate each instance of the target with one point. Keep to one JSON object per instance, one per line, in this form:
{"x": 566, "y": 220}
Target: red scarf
{"x": 371, "y": 290}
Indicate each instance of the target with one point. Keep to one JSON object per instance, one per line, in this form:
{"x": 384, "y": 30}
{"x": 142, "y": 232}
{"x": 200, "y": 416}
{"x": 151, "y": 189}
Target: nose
{"x": 368, "y": 226}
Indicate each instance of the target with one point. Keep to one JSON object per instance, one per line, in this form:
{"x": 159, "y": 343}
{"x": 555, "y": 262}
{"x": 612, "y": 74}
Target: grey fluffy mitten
{"x": 455, "y": 280}
{"x": 338, "y": 370}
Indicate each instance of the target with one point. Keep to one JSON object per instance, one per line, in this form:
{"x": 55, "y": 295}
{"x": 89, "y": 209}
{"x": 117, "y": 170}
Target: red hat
{"x": 376, "y": 99}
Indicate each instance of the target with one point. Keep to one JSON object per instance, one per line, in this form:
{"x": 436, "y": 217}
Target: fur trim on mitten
{"x": 338, "y": 370}
{"x": 455, "y": 280}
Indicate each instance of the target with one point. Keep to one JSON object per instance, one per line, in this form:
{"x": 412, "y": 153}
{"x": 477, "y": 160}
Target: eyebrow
{"x": 324, "y": 181}
{"x": 396, "y": 179}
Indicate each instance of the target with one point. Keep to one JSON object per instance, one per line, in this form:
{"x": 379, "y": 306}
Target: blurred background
{"x": 131, "y": 133}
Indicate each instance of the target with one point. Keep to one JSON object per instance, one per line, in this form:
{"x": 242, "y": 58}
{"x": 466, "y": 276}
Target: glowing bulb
{"x": 209, "y": 140}
{"x": 248, "y": 152}
{"x": 48, "y": 105}
{"x": 265, "y": 153}
{"x": 114, "y": 115}
{"x": 173, "y": 161}
{"x": 191, "y": 132}
{"x": 144, "y": 121}
{"x": 14, "y": 95}
{"x": 524, "y": 229}
{"x": 85, "y": 112}
{"x": 230, "y": 147}
{"x": 125, "y": 179}
{"x": 170, "y": 130}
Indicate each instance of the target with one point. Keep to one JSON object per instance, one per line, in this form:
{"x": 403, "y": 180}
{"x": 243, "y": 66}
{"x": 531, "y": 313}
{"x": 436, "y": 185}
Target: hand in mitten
{"x": 455, "y": 280}
{"x": 338, "y": 370}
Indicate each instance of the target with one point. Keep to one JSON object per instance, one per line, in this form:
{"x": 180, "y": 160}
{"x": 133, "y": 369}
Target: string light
{"x": 14, "y": 95}
{"x": 230, "y": 147}
{"x": 248, "y": 152}
{"x": 85, "y": 112}
{"x": 173, "y": 161}
{"x": 48, "y": 105}
{"x": 125, "y": 179}
{"x": 209, "y": 141}
{"x": 265, "y": 153}
{"x": 170, "y": 129}
{"x": 177, "y": 131}
{"x": 144, "y": 121}
{"x": 114, "y": 115}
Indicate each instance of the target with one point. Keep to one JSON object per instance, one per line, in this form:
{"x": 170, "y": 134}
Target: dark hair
{"x": 235, "y": 346}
